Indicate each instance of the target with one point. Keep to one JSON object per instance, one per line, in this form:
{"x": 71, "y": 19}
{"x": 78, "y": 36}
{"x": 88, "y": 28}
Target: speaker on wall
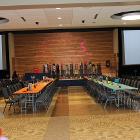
{"x": 107, "y": 63}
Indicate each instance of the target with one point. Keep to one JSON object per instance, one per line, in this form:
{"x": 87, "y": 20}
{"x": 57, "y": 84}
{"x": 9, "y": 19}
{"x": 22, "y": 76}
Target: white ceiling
{"x": 35, "y": 2}
{"x": 71, "y": 16}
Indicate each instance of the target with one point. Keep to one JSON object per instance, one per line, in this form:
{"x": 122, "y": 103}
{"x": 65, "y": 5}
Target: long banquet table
{"x": 30, "y": 95}
{"x": 117, "y": 88}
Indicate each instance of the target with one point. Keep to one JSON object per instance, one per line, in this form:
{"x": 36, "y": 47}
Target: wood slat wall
{"x": 35, "y": 50}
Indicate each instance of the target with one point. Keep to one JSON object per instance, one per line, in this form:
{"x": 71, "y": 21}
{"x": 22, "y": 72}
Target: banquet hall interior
{"x": 70, "y": 70}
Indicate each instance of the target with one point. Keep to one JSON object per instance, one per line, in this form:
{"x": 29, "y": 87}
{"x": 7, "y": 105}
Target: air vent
{"x": 23, "y": 19}
{"x": 96, "y": 15}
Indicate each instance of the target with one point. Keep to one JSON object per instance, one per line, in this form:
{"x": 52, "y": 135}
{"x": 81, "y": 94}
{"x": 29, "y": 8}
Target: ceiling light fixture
{"x": 3, "y": 20}
{"x": 58, "y": 8}
{"x": 59, "y": 18}
{"x": 131, "y": 16}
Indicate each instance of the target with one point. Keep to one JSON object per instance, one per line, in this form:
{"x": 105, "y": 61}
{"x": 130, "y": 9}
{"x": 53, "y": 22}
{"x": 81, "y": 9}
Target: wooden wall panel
{"x": 34, "y": 50}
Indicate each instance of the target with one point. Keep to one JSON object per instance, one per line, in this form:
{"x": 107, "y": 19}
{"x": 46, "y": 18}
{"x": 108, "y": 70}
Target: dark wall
{"x": 6, "y": 73}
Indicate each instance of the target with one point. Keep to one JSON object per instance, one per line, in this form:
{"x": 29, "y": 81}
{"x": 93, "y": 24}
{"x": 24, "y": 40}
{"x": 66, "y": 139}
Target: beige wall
{"x": 11, "y": 53}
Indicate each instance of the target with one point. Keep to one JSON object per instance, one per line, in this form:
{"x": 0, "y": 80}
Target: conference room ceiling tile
{"x": 32, "y": 17}
{"x": 13, "y": 19}
{"x": 35, "y": 2}
{"x": 107, "y": 12}
{"x": 73, "y": 17}
{"x": 85, "y": 16}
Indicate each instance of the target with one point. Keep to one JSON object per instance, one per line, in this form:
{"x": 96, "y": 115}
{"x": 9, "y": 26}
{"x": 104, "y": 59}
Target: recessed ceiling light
{"x": 3, "y": 20}
{"x": 131, "y": 16}
{"x": 37, "y": 23}
{"x": 58, "y": 8}
{"x": 59, "y": 18}
{"x": 128, "y": 15}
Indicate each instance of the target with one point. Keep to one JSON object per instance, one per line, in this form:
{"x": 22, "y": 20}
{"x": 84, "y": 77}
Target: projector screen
{"x": 2, "y": 53}
{"x": 131, "y": 47}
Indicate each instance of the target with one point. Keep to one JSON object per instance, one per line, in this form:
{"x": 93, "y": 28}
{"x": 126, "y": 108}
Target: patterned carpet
{"x": 73, "y": 115}
{"x": 24, "y": 128}
{"x": 114, "y": 127}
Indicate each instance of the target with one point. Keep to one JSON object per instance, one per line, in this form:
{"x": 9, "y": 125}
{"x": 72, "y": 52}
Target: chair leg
{"x": 10, "y": 106}
{"x": 4, "y": 107}
{"x": 110, "y": 103}
{"x": 34, "y": 107}
{"x": 14, "y": 107}
{"x": 105, "y": 103}
{"x": 24, "y": 107}
{"x": 98, "y": 99}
